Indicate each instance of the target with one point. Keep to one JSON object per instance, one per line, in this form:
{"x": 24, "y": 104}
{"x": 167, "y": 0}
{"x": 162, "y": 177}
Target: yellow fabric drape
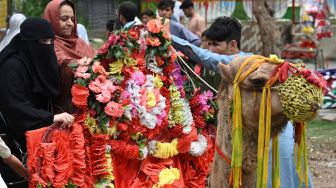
{"x": 301, "y": 160}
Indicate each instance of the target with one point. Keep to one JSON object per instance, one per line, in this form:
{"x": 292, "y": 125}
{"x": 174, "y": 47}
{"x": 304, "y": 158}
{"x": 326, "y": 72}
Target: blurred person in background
{"x": 166, "y": 10}
{"x": 127, "y": 13}
{"x": 82, "y": 33}
{"x": 178, "y": 13}
{"x": 196, "y": 23}
{"x": 13, "y": 29}
{"x": 110, "y": 27}
{"x": 147, "y": 15}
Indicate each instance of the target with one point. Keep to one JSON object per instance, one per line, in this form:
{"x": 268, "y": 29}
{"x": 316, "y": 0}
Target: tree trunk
{"x": 268, "y": 31}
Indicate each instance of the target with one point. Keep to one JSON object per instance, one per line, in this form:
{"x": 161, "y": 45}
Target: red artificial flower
{"x": 114, "y": 109}
{"x": 133, "y": 34}
{"x": 173, "y": 54}
{"x": 159, "y": 61}
{"x": 113, "y": 39}
{"x": 122, "y": 126}
{"x": 98, "y": 158}
{"x": 185, "y": 140}
{"x": 127, "y": 150}
{"x": 80, "y": 95}
{"x": 77, "y": 145}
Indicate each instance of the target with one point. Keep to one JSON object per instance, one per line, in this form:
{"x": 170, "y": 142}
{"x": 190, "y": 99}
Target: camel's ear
{"x": 225, "y": 71}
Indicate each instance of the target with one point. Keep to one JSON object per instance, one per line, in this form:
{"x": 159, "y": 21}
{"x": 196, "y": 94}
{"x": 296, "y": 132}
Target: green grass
{"x": 321, "y": 128}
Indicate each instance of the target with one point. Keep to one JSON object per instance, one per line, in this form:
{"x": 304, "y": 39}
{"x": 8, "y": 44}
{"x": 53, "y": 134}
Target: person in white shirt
{"x": 82, "y": 33}
{"x": 13, "y": 29}
{"x": 178, "y": 13}
{"x": 11, "y": 161}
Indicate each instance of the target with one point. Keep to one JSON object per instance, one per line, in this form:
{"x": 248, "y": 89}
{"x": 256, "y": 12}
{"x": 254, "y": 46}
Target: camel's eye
{"x": 258, "y": 83}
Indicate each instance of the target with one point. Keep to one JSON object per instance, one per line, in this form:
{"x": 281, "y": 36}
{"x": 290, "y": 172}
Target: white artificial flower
{"x": 152, "y": 147}
{"x": 152, "y": 65}
{"x": 188, "y": 118}
{"x": 144, "y": 152}
{"x": 127, "y": 112}
{"x": 197, "y": 148}
{"x": 108, "y": 148}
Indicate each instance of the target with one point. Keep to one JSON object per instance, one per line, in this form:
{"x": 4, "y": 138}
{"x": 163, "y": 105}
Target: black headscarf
{"x": 39, "y": 59}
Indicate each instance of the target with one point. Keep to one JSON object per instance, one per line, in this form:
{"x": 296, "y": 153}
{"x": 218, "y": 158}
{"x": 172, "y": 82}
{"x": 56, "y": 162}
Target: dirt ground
{"x": 321, "y": 142}
{"x": 322, "y": 161}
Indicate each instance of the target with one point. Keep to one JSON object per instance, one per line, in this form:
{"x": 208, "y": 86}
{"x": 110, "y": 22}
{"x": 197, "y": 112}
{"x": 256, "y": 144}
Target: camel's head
{"x": 251, "y": 92}
{"x": 298, "y": 96}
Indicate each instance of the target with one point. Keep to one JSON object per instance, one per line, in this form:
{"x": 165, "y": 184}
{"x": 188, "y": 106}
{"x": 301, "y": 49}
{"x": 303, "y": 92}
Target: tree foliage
{"x": 34, "y": 7}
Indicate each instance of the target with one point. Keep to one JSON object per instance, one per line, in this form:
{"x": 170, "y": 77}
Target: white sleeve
{"x": 4, "y": 150}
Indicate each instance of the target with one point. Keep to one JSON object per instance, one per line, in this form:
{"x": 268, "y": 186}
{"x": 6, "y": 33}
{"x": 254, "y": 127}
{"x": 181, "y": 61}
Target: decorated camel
{"x": 251, "y": 91}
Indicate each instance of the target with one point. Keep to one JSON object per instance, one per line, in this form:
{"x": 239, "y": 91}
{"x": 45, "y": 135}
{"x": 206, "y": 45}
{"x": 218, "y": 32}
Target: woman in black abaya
{"x": 29, "y": 82}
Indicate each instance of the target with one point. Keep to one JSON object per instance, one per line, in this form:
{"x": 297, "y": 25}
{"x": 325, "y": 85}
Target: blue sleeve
{"x": 180, "y": 31}
{"x": 200, "y": 55}
{"x": 189, "y": 36}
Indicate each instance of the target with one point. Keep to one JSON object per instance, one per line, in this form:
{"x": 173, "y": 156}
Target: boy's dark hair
{"x": 166, "y": 3}
{"x": 225, "y": 29}
{"x": 148, "y": 13}
{"x": 186, "y": 4}
{"x": 110, "y": 25}
{"x": 205, "y": 33}
{"x": 128, "y": 9}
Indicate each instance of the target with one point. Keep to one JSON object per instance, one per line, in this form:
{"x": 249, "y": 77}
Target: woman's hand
{"x": 65, "y": 119}
{"x": 16, "y": 165}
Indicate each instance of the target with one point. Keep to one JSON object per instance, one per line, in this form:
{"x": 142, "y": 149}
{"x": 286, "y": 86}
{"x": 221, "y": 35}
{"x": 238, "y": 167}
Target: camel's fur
{"x": 251, "y": 97}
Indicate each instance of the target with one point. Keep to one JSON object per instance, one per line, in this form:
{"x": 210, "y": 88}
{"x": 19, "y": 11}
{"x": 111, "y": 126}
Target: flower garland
{"x": 132, "y": 104}
{"x": 146, "y": 101}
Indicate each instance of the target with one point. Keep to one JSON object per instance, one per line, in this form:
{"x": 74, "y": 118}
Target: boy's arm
{"x": 180, "y": 31}
{"x": 200, "y": 55}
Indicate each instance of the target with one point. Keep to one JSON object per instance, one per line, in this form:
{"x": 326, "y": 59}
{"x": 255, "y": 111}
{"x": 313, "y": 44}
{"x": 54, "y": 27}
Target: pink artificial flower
{"x": 143, "y": 97}
{"x": 108, "y": 86}
{"x": 81, "y": 72}
{"x": 156, "y": 94}
{"x": 97, "y": 68}
{"x": 138, "y": 77}
{"x": 125, "y": 95}
{"x": 84, "y": 61}
{"x": 204, "y": 108}
{"x": 104, "y": 97}
{"x": 114, "y": 109}
{"x": 166, "y": 33}
{"x": 209, "y": 94}
{"x": 160, "y": 117}
{"x": 97, "y": 84}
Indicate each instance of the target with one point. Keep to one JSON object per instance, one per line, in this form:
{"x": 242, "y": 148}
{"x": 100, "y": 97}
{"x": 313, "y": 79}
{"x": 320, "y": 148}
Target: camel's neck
{"x": 221, "y": 169}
